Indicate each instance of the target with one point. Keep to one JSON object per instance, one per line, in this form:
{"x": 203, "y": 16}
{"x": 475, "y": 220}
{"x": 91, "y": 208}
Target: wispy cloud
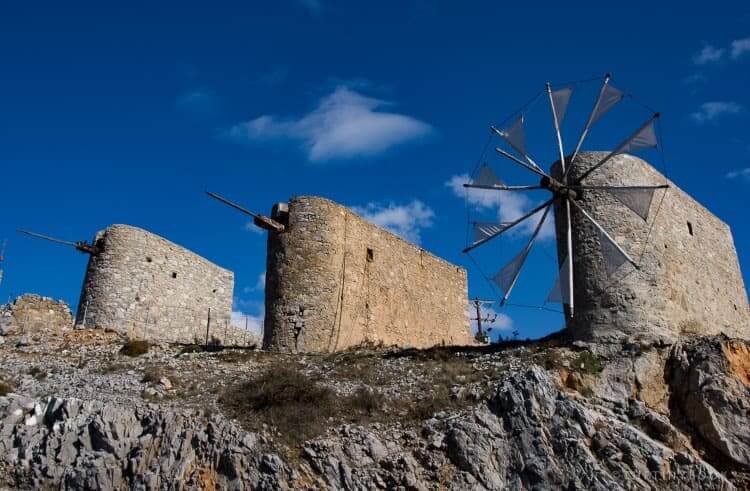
{"x": 260, "y": 284}
{"x": 740, "y": 47}
{"x": 509, "y": 205}
{"x": 344, "y": 125}
{"x": 709, "y": 54}
{"x": 198, "y": 100}
{"x": 312, "y": 6}
{"x": 710, "y": 111}
{"x": 406, "y": 221}
{"x": 739, "y": 174}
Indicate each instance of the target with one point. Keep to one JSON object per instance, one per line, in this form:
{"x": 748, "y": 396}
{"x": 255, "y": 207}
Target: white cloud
{"x": 406, "y": 221}
{"x": 502, "y": 322}
{"x": 739, "y": 174}
{"x": 254, "y": 323}
{"x": 344, "y": 125}
{"x": 510, "y": 205}
{"x": 709, "y": 54}
{"x": 710, "y": 111}
{"x": 740, "y": 47}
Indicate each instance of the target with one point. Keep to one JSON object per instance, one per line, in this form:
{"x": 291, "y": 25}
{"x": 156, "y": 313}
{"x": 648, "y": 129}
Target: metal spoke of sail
{"x": 637, "y": 198}
{"x": 607, "y": 98}
{"x": 561, "y": 292}
{"x": 643, "y": 137}
{"x": 503, "y": 187}
{"x": 507, "y": 277}
{"x": 510, "y": 226}
{"x": 535, "y": 170}
{"x": 486, "y": 177}
{"x": 603, "y": 233}
{"x": 482, "y": 230}
{"x": 515, "y": 137}
{"x": 556, "y": 98}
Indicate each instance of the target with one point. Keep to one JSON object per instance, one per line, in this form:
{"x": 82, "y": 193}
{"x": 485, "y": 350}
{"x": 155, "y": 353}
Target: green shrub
{"x": 587, "y": 362}
{"x": 135, "y": 347}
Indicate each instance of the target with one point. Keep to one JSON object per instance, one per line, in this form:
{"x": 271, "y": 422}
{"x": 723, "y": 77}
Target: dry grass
{"x": 135, "y": 347}
{"x": 587, "y": 362}
{"x": 297, "y": 406}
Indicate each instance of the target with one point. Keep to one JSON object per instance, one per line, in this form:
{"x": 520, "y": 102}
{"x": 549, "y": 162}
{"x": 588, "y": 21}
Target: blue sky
{"x": 115, "y": 114}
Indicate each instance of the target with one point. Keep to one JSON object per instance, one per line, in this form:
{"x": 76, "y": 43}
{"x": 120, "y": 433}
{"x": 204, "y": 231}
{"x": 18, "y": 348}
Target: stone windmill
{"x": 567, "y": 182}
{"x": 626, "y": 271}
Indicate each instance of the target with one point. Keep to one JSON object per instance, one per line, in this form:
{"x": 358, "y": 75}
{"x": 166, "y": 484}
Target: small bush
{"x": 37, "y": 373}
{"x": 5, "y": 389}
{"x": 152, "y": 375}
{"x": 365, "y": 401}
{"x": 285, "y": 398}
{"x": 135, "y": 347}
{"x": 587, "y": 362}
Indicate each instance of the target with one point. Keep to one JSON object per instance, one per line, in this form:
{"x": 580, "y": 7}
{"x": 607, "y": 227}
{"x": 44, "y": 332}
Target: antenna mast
{"x": 482, "y": 336}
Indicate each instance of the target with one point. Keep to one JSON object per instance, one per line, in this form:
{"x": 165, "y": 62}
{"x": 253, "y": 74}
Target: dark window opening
{"x": 690, "y": 228}
{"x": 214, "y": 291}
{"x": 148, "y": 259}
{"x": 665, "y": 246}
{"x": 174, "y": 275}
{"x": 370, "y": 255}
{"x": 735, "y": 306}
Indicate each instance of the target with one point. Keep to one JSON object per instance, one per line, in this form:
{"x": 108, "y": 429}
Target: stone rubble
{"x": 83, "y": 416}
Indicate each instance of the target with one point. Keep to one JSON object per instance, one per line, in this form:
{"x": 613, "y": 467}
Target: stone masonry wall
{"x": 334, "y": 280}
{"x": 31, "y": 314}
{"x": 689, "y": 281}
{"x": 148, "y": 287}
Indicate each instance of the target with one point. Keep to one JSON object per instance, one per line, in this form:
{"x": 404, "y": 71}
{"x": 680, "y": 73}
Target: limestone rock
{"x": 711, "y": 390}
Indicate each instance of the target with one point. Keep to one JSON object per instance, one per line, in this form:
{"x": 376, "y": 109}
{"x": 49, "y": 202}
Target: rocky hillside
{"x": 89, "y": 410}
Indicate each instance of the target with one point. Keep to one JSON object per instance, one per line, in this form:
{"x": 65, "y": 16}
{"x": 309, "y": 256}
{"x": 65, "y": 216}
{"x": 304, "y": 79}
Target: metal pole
{"x": 244, "y": 334}
{"x": 85, "y": 313}
{"x": 208, "y": 325}
{"x": 226, "y": 326}
{"x": 479, "y": 316}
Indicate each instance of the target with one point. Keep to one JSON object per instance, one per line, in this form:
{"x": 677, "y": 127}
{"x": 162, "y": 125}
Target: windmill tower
{"x": 626, "y": 271}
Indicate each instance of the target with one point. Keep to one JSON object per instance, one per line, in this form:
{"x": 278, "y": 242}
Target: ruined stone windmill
{"x": 602, "y": 203}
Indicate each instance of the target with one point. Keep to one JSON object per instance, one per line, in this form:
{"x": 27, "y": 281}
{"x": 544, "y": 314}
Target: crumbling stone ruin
{"x": 149, "y": 287}
{"x": 689, "y": 281}
{"x": 334, "y": 280}
{"x": 30, "y": 314}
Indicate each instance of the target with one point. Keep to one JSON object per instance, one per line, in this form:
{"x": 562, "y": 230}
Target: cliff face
{"x": 518, "y": 416}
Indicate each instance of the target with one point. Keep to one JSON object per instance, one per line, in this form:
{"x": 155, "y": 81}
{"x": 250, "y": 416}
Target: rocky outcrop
{"x": 530, "y": 434}
{"x": 710, "y": 380}
{"x": 74, "y": 444}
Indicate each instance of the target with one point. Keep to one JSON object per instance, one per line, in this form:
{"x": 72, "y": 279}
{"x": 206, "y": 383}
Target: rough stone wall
{"x": 30, "y": 314}
{"x": 334, "y": 280}
{"x": 146, "y": 286}
{"x": 689, "y": 281}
